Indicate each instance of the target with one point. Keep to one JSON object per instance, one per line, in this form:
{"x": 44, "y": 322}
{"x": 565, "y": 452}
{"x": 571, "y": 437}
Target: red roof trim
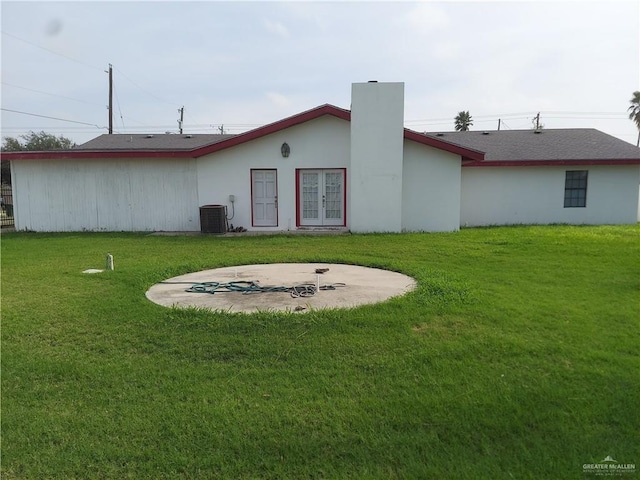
{"x": 273, "y": 128}
{"x": 465, "y": 153}
{"x": 543, "y": 163}
{"x": 336, "y": 112}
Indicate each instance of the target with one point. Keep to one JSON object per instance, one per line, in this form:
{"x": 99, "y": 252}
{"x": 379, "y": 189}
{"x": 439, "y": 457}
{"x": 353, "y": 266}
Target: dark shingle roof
{"x": 155, "y": 142}
{"x": 548, "y": 144}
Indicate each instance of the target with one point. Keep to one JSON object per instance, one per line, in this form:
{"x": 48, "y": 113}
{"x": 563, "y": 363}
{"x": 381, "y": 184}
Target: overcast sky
{"x": 244, "y": 64}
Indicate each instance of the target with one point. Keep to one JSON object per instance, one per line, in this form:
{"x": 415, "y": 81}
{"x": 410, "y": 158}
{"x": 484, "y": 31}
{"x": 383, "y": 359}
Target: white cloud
{"x": 426, "y": 18}
{"x": 276, "y": 28}
{"x": 279, "y": 100}
{"x": 446, "y": 50}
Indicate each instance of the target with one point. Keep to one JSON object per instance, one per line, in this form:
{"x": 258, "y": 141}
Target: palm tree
{"x": 634, "y": 112}
{"x": 463, "y": 121}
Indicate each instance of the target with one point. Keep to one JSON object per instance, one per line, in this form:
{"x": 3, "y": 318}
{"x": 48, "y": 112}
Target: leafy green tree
{"x": 31, "y": 141}
{"x": 634, "y": 112}
{"x": 10, "y": 144}
{"x": 463, "y": 121}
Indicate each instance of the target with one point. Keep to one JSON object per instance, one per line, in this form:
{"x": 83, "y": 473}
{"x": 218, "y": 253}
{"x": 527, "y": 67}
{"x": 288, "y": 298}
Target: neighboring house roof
{"x": 547, "y": 146}
{"x": 167, "y": 145}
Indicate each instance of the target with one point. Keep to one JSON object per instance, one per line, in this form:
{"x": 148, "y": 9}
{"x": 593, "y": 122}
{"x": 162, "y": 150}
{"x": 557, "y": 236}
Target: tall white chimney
{"x": 375, "y": 175}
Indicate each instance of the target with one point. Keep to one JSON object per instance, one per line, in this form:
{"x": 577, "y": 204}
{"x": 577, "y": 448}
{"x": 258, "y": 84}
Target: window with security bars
{"x": 575, "y": 188}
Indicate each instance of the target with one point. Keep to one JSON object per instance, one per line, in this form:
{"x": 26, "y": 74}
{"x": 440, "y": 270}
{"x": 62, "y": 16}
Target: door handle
{"x": 323, "y": 201}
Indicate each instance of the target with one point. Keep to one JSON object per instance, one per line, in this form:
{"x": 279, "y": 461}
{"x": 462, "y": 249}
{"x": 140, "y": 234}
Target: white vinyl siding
{"x": 106, "y": 195}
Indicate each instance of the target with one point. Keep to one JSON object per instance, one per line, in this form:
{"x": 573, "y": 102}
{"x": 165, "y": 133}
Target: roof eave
{"x": 74, "y": 154}
{"x": 550, "y": 162}
{"x": 467, "y": 154}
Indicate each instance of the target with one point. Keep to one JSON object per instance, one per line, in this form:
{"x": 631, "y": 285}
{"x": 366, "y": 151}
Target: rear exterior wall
{"x": 535, "y": 195}
{"x": 105, "y": 195}
{"x": 431, "y": 189}
{"x": 320, "y": 143}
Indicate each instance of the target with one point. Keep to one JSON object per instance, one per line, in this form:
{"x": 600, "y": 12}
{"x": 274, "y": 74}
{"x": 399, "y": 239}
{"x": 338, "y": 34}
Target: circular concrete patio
{"x": 361, "y": 285}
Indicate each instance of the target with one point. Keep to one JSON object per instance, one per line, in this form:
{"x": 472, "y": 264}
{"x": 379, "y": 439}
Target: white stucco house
{"x": 329, "y": 168}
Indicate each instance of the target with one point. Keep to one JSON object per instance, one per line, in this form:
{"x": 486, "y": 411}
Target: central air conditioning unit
{"x": 213, "y": 219}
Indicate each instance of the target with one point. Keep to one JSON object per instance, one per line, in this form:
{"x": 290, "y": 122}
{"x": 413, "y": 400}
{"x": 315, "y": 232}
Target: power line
{"x": 496, "y": 115}
{"x": 49, "y": 128}
{"x": 523, "y": 115}
{"x": 587, "y": 118}
{"x": 146, "y": 91}
{"x": 52, "y": 118}
{"x": 119, "y": 109}
{"x": 51, "y": 51}
{"x": 51, "y": 94}
{"x": 85, "y": 64}
{"x": 584, "y": 113}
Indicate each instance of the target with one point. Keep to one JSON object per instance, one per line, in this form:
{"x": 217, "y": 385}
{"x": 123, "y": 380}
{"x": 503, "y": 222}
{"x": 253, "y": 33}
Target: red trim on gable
{"x": 465, "y": 153}
{"x": 274, "y": 127}
{"x": 546, "y": 163}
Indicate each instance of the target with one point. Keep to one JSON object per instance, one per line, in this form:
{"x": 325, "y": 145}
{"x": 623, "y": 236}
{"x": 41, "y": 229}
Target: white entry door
{"x": 264, "y": 198}
{"x": 321, "y": 201}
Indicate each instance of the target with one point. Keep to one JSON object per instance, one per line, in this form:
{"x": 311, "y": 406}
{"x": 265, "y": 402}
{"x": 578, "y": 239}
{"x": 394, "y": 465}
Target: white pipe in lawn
{"x": 109, "y": 262}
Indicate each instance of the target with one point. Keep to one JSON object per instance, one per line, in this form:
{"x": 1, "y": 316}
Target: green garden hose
{"x": 249, "y": 287}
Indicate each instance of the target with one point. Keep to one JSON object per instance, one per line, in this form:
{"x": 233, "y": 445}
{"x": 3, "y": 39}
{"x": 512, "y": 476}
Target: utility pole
{"x": 110, "y": 72}
{"x": 221, "y": 129}
{"x": 498, "y": 124}
{"x": 538, "y": 121}
{"x": 181, "y": 110}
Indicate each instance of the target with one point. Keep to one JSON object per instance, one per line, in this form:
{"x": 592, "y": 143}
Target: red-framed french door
{"x": 264, "y": 198}
{"x": 321, "y": 197}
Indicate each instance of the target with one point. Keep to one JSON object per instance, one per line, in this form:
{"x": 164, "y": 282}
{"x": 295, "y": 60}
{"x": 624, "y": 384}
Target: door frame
{"x": 299, "y": 192}
{"x": 275, "y": 171}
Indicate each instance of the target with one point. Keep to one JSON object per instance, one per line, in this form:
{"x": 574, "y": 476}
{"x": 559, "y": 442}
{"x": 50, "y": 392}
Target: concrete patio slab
{"x": 362, "y": 285}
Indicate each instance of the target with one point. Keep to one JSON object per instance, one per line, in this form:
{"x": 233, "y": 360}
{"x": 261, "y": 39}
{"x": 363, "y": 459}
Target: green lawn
{"x": 516, "y": 357}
